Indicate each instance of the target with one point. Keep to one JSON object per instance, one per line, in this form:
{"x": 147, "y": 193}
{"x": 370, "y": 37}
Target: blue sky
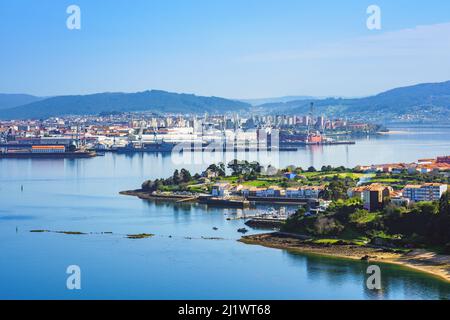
{"x": 230, "y": 48}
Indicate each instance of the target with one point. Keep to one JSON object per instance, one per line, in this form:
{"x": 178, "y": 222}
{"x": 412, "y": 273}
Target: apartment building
{"x": 373, "y": 196}
{"x": 425, "y": 192}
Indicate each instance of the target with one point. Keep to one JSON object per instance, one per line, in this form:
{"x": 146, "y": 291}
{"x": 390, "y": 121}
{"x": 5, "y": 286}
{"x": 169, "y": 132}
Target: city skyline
{"x": 234, "y": 50}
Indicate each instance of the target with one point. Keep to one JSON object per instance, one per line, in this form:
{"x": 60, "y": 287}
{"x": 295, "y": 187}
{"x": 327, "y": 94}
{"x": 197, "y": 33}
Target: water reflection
{"x": 397, "y": 282}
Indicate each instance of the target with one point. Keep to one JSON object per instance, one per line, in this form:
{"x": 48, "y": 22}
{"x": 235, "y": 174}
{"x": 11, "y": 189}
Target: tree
{"x": 185, "y": 176}
{"x": 150, "y": 186}
{"x": 327, "y": 226}
{"x": 197, "y": 177}
{"x": 235, "y": 167}
{"x": 244, "y": 168}
{"x": 312, "y": 169}
{"x": 219, "y": 170}
{"x": 176, "y": 177}
{"x": 222, "y": 169}
{"x": 444, "y": 204}
{"x": 337, "y": 189}
{"x": 254, "y": 167}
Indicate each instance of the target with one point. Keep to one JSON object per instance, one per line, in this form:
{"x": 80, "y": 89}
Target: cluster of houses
{"x": 303, "y": 192}
{"x": 374, "y": 196}
{"x": 440, "y": 164}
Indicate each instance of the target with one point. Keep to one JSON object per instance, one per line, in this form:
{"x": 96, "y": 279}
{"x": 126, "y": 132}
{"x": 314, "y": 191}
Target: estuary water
{"x": 180, "y": 261}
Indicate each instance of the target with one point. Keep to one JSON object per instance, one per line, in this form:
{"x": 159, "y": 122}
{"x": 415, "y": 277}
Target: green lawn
{"x": 342, "y": 175}
{"x": 385, "y": 180}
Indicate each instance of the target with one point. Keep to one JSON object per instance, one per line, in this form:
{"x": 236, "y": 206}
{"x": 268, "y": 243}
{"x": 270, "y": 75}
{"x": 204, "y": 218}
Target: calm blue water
{"x": 82, "y": 195}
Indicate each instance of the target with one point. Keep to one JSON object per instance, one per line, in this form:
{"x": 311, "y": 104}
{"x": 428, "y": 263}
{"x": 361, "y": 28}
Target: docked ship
{"x": 167, "y": 147}
{"x": 24, "y": 151}
{"x": 157, "y": 146}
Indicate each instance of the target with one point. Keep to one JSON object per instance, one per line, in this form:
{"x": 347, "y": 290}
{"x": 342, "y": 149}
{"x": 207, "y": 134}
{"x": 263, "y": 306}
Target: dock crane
{"x": 311, "y": 117}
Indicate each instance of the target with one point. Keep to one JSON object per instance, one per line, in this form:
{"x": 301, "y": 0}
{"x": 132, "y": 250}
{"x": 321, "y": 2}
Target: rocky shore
{"x": 170, "y": 197}
{"x": 421, "y": 260}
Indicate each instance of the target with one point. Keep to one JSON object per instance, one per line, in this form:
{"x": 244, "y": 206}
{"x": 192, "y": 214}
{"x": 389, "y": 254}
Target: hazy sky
{"x": 230, "y": 48}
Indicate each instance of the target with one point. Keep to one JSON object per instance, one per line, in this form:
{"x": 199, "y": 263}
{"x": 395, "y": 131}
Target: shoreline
{"x": 230, "y": 202}
{"x": 146, "y": 196}
{"x": 394, "y": 132}
{"x": 418, "y": 259}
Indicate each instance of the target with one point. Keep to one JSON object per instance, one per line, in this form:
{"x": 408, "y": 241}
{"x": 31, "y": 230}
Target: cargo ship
{"x": 165, "y": 147}
{"x": 146, "y": 147}
{"x": 18, "y": 151}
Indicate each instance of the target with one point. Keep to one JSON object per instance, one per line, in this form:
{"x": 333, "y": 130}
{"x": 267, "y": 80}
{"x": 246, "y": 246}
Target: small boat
{"x": 242, "y": 230}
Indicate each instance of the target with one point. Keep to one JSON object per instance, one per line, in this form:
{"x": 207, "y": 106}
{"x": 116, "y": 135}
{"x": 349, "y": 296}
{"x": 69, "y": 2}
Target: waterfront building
{"x": 275, "y": 192}
{"x": 313, "y": 192}
{"x": 48, "y": 149}
{"x": 221, "y": 190}
{"x": 305, "y": 192}
{"x": 293, "y": 193}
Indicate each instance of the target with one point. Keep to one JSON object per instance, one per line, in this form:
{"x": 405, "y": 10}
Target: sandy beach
{"x": 418, "y": 259}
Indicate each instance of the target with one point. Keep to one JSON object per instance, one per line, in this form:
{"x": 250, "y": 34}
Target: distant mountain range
{"x": 422, "y": 102}
{"x": 428, "y": 102}
{"x": 154, "y": 101}
{"x": 257, "y": 102}
{"x": 14, "y": 100}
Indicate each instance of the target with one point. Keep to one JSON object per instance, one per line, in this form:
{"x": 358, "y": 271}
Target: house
{"x": 275, "y": 192}
{"x": 373, "y": 196}
{"x": 238, "y": 189}
{"x": 290, "y": 175}
{"x": 210, "y": 174}
{"x": 423, "y": 169}
{"x": 400, "y": 201}
{"x": 293, "y": 193}
{"x": 261, "y": 192}
{"x": 312, "y": 192}
{"x": 443, "y": 160}
{"x": 356, "y": 192}
{"x": 426, "y": 161}
{"x": 221, "y": 190}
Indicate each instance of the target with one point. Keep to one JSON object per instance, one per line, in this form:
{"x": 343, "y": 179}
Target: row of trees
{"x": 238, "y": 167}
{"x": 178, "y": 178}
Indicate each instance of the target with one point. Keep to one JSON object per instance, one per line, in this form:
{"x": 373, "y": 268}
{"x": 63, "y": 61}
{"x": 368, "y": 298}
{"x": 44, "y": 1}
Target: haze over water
{"x": 82, "y": 195}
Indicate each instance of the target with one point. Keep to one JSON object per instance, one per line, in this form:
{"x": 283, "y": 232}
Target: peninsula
{"x": 391, "y": 213}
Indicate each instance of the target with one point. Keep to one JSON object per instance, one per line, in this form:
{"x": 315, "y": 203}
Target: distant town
{"x": 140, "y": 132}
